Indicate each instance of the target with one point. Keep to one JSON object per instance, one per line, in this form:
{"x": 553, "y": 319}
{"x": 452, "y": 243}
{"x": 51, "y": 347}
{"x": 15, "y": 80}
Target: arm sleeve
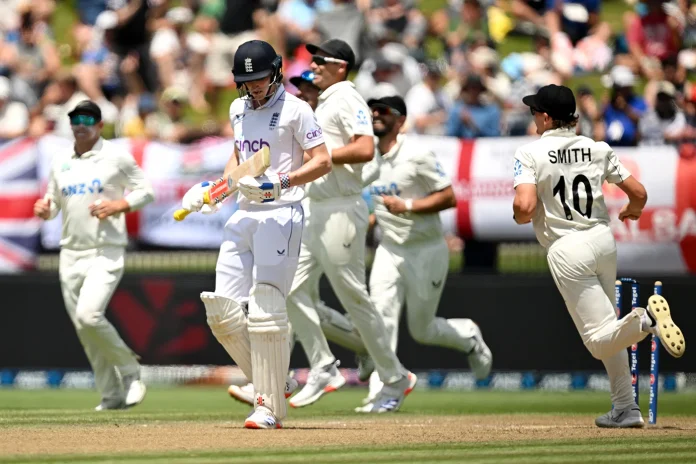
{"x": 52, "y": 193}
{"x": 141, "y": 192}
{"x": 615, "y": 171}
{"x": 306, "y": 128}
{"x": 355, "y": 116}
{"x": 430, "y": 172}
{"x": 370, "y": 172}
{"x": 524, "y": 170}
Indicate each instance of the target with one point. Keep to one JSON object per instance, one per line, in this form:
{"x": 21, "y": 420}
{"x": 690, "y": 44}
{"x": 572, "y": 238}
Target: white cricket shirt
{"x": 342, "y": 113}
{"x": 287, "y": 126}
{"x": 75, "y": 182}
{"x": 409, "y": 174}
{"x": 569, "y": 171}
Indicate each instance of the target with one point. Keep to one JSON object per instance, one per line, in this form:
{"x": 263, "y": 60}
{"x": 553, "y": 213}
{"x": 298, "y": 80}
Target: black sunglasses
{"x": 385, "y": 110}
{"x": 534, "y": 111}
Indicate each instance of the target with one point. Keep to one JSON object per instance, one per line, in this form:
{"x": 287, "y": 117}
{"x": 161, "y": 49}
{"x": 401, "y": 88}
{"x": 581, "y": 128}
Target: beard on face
{"x": 386, "y": 128}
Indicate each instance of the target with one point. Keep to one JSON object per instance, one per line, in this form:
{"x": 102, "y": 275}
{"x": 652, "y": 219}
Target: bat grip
{"x": 180, "y": 214}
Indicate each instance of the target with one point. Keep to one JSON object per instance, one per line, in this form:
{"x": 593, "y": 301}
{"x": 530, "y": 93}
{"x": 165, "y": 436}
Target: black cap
{"x": 396, "y": 103}
{"x": 87, "y": 107}
{"x": 307, "y": 77}
{"x": 557, "y": 101}
{"x": 254, "y": 60}
{"x": 335, "y": 48}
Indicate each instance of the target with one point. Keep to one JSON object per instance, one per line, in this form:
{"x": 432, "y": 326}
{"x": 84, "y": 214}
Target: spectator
{"x": 673, "y": 72}
{"x": 346, "y": 21}
{"x": 624, "y": 109}
{"x": 14, "y": 116}
{"x": 427, "y": 104}
{"x": 89, "y": 10}
{"x": 465, "y": 26}
{"x": 180, "y": 56}
{"x": 306, "y": 90}
{"x": 391, "y": 64}
{"x": 298, "y": 18}
{"x": 136, "y": 125}
{"x": 530, "y": 13}
{"x": 651, "y": 38}
{"x": 589, "y": 116}
{"x": 33, "y": 61}
{"x": 51, "y": 114}
{"x": 398, "y": 21}
{"x": 168, "y": 123}
{"x": 470, "y": 117}
{"x": 666, "y": 124}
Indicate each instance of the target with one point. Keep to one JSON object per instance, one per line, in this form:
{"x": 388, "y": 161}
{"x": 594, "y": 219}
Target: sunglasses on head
{"x": 83, "y": 120}
{"x": 384, "y": 110}
{"x": 326, "y": 59}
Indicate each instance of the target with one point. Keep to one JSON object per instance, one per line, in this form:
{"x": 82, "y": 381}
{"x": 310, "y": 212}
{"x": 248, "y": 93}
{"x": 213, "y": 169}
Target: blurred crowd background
{"x": 161, "y": 69}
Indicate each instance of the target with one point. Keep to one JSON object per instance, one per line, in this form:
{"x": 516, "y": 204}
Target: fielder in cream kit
{"x": 412, "y": 259}
{"x": 87, "y": 185}
{"x": 334, "y": 239}
{"x": 261, "y": 241}
{"x": 558, "y": 187}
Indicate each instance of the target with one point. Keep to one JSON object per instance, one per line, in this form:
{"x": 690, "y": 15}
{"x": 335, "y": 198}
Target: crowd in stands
{"x": 158, "y": 69}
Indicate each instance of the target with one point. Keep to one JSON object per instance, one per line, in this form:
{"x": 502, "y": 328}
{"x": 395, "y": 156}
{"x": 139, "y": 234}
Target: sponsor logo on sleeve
{"x": 362, "y": 118}
{"x": 517, "y": 170}
{"x": 313, "y": 134}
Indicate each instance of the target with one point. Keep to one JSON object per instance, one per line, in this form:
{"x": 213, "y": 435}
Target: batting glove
{"x": 193, "y": 199}
{"x": 263, "y": 189}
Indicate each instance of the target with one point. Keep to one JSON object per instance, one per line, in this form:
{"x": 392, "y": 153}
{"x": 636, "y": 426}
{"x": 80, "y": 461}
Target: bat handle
{"x": 180, "y": 214}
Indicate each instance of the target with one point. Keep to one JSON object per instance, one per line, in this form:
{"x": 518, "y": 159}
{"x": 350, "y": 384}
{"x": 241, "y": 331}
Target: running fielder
{"x": 259, "y": 254}
{"x": 334, "y": 240}
{"x": 88, "y": 186}
{"x": 558, "y": 187}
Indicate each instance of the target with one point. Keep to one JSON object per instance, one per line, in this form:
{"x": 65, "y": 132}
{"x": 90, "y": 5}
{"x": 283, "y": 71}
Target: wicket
{"x": 654, "y": 347}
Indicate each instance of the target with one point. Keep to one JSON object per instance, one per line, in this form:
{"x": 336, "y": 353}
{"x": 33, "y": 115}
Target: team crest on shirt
{"x": 361, "y": 118}
{"x": 247, "y": 65}
{"x": 274, "y": 121}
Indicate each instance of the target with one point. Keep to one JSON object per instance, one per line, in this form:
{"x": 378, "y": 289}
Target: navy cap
{"x": 254, "y": 60}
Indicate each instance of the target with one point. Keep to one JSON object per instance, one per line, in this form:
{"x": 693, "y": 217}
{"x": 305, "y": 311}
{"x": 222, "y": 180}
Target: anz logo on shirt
{"x": 390, "y": 190}
{"x": 82, "y": 189}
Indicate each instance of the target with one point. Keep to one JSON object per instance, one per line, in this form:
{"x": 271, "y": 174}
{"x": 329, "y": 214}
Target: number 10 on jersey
{"x": 560, "y": 189}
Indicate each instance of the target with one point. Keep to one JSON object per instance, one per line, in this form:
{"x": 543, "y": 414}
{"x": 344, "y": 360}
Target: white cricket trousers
{"x": 334, "y": 244}
{"x": 88, "y": 279}
{"x": 415, "y": 273}
{"x": 583, "y": 265}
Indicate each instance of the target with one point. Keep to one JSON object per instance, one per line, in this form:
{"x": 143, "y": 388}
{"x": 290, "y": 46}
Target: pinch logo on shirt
{"x": 251, "y": 145}
{"x": 82, "y": 188}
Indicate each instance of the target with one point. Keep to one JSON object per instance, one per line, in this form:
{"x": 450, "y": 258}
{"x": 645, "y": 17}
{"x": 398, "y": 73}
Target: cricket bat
{"x": 255, "y": 166}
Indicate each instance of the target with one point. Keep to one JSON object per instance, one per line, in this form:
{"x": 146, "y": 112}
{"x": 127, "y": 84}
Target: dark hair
{"x": 26, "y": 21}
{"x": 565, "y": 124}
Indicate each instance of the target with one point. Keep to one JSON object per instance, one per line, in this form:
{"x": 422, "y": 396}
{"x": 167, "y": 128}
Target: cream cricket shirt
{"x": 342, "y": 113}
{"x": 409, "y": 174}
{"x": 569, "y": 171}
{"x": 75, "y": 182}
{"x": 287, "y": 126}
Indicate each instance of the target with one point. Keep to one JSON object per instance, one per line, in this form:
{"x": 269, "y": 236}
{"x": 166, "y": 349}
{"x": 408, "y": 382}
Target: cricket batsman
{"x": 261, "y": 242}
{"x": 558, "y": 187}
{"x": 87, "y": 185}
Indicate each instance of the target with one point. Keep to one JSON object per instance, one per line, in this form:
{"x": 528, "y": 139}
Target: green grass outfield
{"x": 202, "y": 425}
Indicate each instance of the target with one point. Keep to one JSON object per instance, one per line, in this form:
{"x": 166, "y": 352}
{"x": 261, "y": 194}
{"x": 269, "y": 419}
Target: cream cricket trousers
{"x": 334, "y": 244}
{"x": 88, "y": 279}
{"x": 415, "y": 273}
{"x": 583, "y": 265}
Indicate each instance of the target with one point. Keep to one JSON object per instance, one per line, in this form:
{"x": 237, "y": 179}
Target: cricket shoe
{"x": 625, "y": 418}
{"x": 375, "y": 385}
{"x": 109, "y": 405}
{"x": 262, "y": 418}
{"x": 391, "y": 397}
{"x": 246, "y": 394}
{"x": 135, "y": 390}
{"x": 480, "y": 357}
{"x": 366, "y": 366}
{"x": 321, "y": 380}
{"x": 671, "y": 336}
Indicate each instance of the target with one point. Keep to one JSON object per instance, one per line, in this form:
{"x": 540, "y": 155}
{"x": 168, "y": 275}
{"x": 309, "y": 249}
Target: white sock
{"x": 646, "y": 322}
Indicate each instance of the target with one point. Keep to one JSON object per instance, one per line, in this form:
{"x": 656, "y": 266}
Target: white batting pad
{"x": 228, "y": 322}
{"x": 270, "y": 348}
{"x": 339, "y": 329}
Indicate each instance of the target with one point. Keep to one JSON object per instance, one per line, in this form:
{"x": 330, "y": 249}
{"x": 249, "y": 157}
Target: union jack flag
{"x": 19, "y": 189}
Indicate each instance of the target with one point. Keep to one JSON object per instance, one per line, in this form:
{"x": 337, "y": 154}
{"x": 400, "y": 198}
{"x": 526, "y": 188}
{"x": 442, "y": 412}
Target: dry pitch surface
{"x": 203, "y": 425}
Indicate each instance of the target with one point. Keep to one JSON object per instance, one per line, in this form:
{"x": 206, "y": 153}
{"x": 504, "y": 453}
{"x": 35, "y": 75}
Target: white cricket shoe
{"x": 262, "y": 418}
{"x": 480, "y": 357}
{"x": 322, "y": 380}
{"x": 108, "y": 405}
{"x": 246, "y": 393}
{"x": 391, "y": 396}
{"x": 374, "y": 387}
{"x": 135, "y": 390}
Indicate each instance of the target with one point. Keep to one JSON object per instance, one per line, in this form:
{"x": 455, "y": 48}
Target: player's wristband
{"x": 284, "y": 180}
{"x": 409, "y": 205}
